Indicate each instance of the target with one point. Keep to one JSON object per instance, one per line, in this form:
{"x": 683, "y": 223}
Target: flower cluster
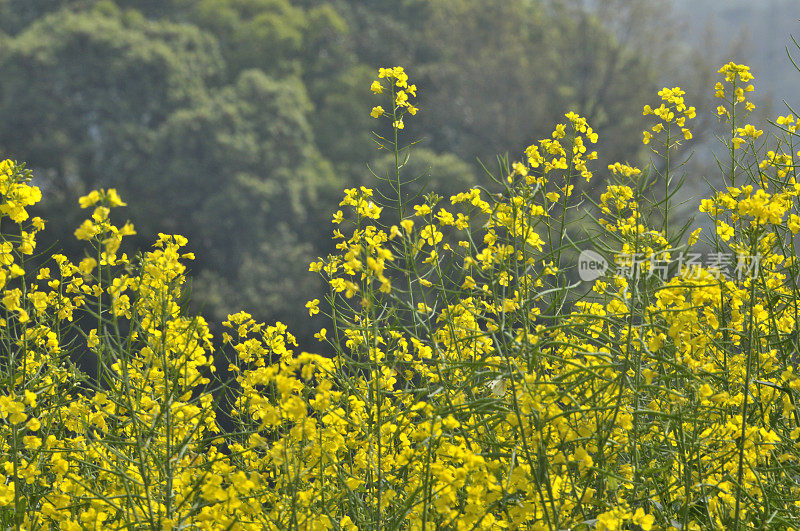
{"x": 100, "y": 225}
{"x": 738, "y": 78}
{"x": 466, "y": 384}
{"x": 401, "y": 92}
{"x": 673, "y": 109}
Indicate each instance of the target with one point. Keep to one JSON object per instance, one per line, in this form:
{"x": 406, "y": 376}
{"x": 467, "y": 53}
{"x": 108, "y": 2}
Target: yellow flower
{"x": 376, "y": 87}
{"x": 39, "y": 300}
{"x": 100, "y": 214}
{"x": 6, "y": 491}
{"x": 431, "y": 235}
{"x": 749, "y": 131}
{"x": 794, "y": 223}
{"x": 30, "y": 398}
{"x": 705, "y": 391}
{"x": 6, "y": 258}
{"x": 15, "y": 271}
{"x": 534, "y": 240}
{"x": 87, "y": 265}
{"x": 15, "y": 411}
{"x": 31, "y": 442}
{"x": 346, "y": 523}
{"x": 313, "y": 307}
{"x": 114, "y": 199}
{"x": 421, "y": 210}
{"x": 90, "y": 199}
{"x": 87, "y": 230}
{"x": 377, "y": 111}
{"x": 694, "y": 236}
{"x": 645, "y": 521}
{"x": 11, "y": 299}
{"x": 27, "y": 242}
{"x": 92, "y": 341}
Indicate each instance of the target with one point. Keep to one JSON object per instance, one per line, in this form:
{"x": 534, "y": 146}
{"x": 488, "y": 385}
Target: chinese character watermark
{"x": 592, "y": 265}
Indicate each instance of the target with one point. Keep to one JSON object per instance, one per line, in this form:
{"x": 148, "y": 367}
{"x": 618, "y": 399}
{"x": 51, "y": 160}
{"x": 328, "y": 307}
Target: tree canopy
{"x": 237, "y": 122}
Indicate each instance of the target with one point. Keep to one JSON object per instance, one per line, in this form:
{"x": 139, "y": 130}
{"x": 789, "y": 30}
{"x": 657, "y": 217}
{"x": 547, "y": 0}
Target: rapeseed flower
{"x": 468, "y": 384}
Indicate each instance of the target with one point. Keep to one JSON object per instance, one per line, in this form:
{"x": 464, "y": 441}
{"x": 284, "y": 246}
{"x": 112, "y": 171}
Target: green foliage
{"x": 242, "y": 162}
{"x": 265, "y": 34}
{"x": 185, "y": 105}
{"x": 116, "y": 104}
{"x": 424, "y": 172}
{"x": 470, "y": 384}
{"x": 340, "y": 108}
{"x": 84, "y": 94}
{"x": 15, "y": 15}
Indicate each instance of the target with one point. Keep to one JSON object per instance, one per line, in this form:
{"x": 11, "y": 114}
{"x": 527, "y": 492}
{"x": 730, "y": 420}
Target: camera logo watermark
{"x": 591, "y": 265}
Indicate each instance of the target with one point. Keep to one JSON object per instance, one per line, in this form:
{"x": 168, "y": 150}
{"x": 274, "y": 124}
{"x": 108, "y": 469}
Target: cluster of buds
{"x": 738, "y": 87}
{"x": 401, "y": 92}
{"x": 673, "y": 109}
{"x": 100, "y": 224}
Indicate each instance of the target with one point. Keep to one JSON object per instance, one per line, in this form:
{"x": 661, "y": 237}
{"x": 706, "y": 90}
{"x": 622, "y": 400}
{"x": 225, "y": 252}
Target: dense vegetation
{"x": 237, "y": 122}
{"x": 473, "y": 385}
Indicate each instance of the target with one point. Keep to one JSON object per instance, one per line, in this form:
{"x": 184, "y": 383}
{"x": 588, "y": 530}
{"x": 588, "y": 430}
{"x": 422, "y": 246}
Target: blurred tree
{"x": 497, "y": 74}
{"x": 490, "y": 75}
{"x": 607, "y": 75}
{"x": 247, "y": 159}
{"x": 237, "y": 122}
{"x": 100, "y": 100}
{"x": 314, "y": 42}
{"x": 266, "y": 34}
{"x": 342, "y": 124}
{"x": 83, "y": 95}
{"x": 15, "y": 15}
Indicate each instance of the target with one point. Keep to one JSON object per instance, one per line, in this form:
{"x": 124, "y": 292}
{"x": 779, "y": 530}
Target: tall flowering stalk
{"x": 474, "y": 381}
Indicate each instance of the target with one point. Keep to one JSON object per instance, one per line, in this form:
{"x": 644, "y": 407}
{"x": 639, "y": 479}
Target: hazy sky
{"x": 755, "y": 33}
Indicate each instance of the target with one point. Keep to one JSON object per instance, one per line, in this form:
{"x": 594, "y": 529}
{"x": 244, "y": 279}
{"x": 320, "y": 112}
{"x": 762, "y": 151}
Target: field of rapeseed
{"x": 475, "y": 381}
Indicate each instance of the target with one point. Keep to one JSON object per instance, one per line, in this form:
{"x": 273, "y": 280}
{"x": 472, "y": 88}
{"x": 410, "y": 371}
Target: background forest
{"x": 237, "y": 123}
